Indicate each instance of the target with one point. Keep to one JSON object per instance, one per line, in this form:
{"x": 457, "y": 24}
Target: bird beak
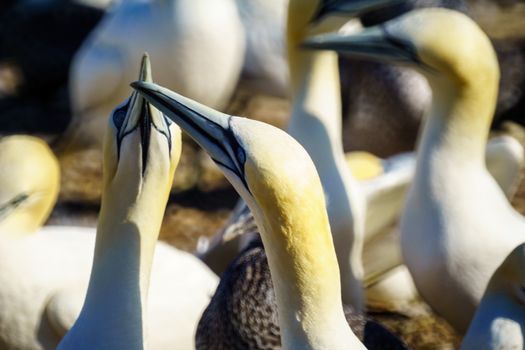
{"x": 374, "y": 43}
{"x": 209, "y": 128}
{"x": 139, "y": 114}
{"x": 350, "y": 8}
{"x": 12, "y": 204}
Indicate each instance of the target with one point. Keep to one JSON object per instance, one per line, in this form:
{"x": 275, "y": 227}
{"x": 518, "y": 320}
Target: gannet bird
{"x": 30, "y": 181}
{"x": 388, "y": 284}
{"x": 197, "y": 54}
{"x": 316, "y": 124}
{"x": 457, "y": 226}
{"x": 44, "y": 276}
{"x": 500, "y": 318}
{"x": 385, "y": 123}
{"x": 142, "y": 150}
{"x": 279, "y": 182}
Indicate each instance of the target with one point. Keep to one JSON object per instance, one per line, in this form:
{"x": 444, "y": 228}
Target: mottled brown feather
{"x": 242, "y": 314}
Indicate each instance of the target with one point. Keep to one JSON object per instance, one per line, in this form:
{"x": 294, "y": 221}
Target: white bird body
{"x": 195, "y": 53}
{"x": 44, "y": 274}
{"x": 458, "y": 225}
{"x": 500, "y": 318}
{"x": 386, "y": 194}
{"x": 55, "y": 262}
{"x": 462, "y": 245}
{"x": 388, "y": 282}
{"x": 33, "y": 269}
{"x": 278, "y": 180}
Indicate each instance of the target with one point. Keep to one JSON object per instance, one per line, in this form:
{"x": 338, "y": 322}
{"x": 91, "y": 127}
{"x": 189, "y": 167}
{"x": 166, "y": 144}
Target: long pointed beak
{"x": 350, "y": 8}
{"x": 137, "y": 113}
{"x": 209, "y": 128}
{"x": 374, "y": 43}
{"x": 12, "y": 204}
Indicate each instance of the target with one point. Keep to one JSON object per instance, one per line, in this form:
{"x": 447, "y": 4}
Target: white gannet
{"x": 196, "y": 53}
{"x": 388, "y": 284}
{"x": 316, "y": 124}
{"x": 499, "y": 321}
{"x": 457, "y": 226}
{"x": 44, "y": 276}
{"x": 30, "y": 181}
{"x": 276, "y": 177}
{"x": 141, "y": 152}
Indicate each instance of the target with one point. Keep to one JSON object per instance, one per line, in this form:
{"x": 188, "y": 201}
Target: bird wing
{"x": 381, "y": 255}
{"x": 217, "y": 252}
{"x": 385, "y": 194}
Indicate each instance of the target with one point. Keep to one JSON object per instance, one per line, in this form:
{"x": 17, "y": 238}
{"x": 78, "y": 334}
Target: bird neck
{"x": 316, "y": 124}
{"x": 115, "y": 304}
{"x": 458, "y": 124}
{"x": 315, "y": 94}
{"x": 304, "y": 271}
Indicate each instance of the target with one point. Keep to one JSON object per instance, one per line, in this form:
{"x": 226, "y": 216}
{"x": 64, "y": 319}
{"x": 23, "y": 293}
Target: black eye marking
{"x": 12, "y": 204}
{"x": 227, "y": 132}
{"x": 238, "y": 151}
{"x": 119, "y": 115}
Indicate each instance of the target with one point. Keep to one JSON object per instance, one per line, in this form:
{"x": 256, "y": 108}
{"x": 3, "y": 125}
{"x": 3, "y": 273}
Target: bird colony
{"x": 321, "y": 242}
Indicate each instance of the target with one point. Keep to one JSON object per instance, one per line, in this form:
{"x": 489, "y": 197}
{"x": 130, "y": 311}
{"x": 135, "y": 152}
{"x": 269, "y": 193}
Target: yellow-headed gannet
{"x": 276, "y": 177}
{"x": 458, "y": 226}
{"x": 30, "y": 178}
{"x": 316, "y": 123}
{"x": 44, "y": 276}
{"x": 142, "y": 150}
{"x": 279, "y": 182}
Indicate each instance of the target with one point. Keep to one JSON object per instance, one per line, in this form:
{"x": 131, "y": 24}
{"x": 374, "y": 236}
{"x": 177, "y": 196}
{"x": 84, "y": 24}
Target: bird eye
{"x": 119, "y": 113}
